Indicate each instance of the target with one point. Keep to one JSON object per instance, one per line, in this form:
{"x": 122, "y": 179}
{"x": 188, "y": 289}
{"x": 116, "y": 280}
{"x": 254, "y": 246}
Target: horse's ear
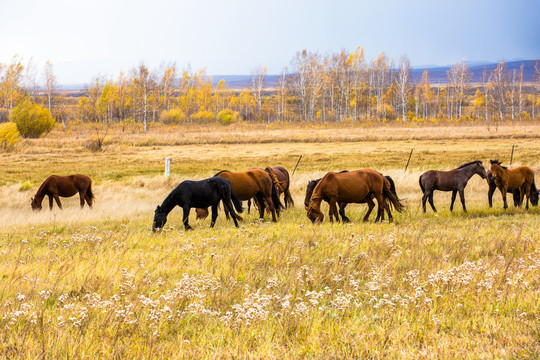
{"x": 158, "y": 208}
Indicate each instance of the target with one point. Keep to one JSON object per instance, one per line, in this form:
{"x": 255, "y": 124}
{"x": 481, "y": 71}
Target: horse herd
{"x": 265, "y": 186}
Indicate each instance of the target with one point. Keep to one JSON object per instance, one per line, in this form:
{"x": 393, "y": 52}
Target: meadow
{"x": 98, "y": 283}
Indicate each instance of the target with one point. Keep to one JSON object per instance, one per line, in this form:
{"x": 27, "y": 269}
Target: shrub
{"x": 32, "y": 120}
{"x": 9, "y": 135}
{"x": 227, "y": 116}
{"x": 173, "y": 116}
{"x": 203, "y": 117}
{"x": 4, "y": 114}
{"x": 25, "y": 186}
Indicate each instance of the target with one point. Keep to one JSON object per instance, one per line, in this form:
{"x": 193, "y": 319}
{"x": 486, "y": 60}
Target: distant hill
{"x": 437, "y": 75}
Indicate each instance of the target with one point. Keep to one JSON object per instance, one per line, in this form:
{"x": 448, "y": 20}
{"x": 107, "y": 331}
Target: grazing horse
{"x": 254, "y": 183}
{"x": 515, "y": 192}
{"x": 203, "y": 193}
{"x": 453, "y": 180}
{"x": 520, "y": 178}
{"x": 352, "y": 187}
{"x": 65, "y": 186}
{"x": 311, "y": 185}
{"x": 282, "y": 182}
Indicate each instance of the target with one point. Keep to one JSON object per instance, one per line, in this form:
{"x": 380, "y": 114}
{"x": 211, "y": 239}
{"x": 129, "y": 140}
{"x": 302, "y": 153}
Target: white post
{"x": 167, "y": 167}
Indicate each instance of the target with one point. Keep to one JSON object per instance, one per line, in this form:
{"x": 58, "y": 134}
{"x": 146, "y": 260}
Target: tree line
{"x": 338, "y": 87}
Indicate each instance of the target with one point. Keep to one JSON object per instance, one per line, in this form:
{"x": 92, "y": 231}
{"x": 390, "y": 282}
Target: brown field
{"x": 99, "y": 284}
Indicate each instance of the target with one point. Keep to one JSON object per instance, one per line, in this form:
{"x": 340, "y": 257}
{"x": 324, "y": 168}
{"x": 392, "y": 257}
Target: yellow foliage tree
{"x": 9, "y": 135}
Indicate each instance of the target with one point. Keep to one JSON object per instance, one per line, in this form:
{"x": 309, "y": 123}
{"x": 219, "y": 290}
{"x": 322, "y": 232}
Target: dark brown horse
{"x": 311, "y": 186}
{"x": 281, "y": 179}
{"x": 515, "y": 192}
{"x": 352, "y": 187}
{"x": 520, "y": 178}
{"x": 65, "y": 186}
{"x": 250, "y": 184}
{"x": 453, "y": 180}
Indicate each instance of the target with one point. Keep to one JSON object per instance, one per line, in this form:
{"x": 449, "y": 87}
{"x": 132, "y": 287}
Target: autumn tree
{"x": 499, "y": 88}
{"x": 10, "y": 83}
{"x": 142, "y": 88}
{"x": 402, "y": 81}
{"x": 257, "y": 83}
{"x": 50, "y": 83}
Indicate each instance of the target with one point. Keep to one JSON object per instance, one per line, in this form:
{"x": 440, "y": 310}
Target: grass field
{"x": 99, "y": 284}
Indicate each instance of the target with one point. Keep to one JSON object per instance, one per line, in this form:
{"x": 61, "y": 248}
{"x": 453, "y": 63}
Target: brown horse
{"x": 453, "y": 180}
{"x": 515, "y": 192}
{"x": 281, "y": 179}
{"x": 520, "y": 178}
{"x": 250, "y": 184}
{"x": 65, "y": 186}
{"x": 352, "y": 187}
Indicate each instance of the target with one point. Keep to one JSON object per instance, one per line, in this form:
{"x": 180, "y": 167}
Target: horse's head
{"x": 535, "y": 194}
{"x": 36, "y": 206}
{"x": 309, "y": 191}
{"x": 160, "y": 218}
{"x": 201, "y": 213}
{"x": 314, "y": 215}
{"x": 480, "y": 170}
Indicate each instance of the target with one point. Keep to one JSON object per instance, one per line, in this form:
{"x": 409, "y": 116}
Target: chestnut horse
{"x": 515, "y": 192}
{"x": 311, "y": 186}
{"x": 250, "y": 184}
{"x": 520, "y": 178}
{"x": 65, "y": 186}
{"x": 352, "y": 187}
{"x": 452, "y": 180}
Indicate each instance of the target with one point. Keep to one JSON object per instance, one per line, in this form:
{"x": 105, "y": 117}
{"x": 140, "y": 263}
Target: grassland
{"x": 99, "y": 284}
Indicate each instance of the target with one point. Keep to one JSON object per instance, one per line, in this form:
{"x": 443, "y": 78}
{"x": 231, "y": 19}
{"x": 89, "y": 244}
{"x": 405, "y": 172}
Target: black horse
{"x": 198, "y": 194}
{"x": 452, "y": 180}
{"x": 311, "y": 186}
{"x": 515, "y": 192}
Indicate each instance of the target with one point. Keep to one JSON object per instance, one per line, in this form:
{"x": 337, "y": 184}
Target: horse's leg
{"x": 454, "y": 192}
{"x": 380, "y": 207}
{"x": 215, "y": 214}
{"x": 50, "y": 202}
{"x": 185, "y": 217}
{"x": 491, "y": 191}
{"x": 81, "y": 198}
{"x": 333, "y": 210}
{"x": 341, "y": 211}
{"x": 271, "y": 207}
{"x": 288, "y": 199}
{"x": 260, "y": 203}
{"x": 503, "y": 194}
{"x": 424, "y": 199}
{"x": 249, "y": 205}
{"x": 462, "y": 198}
{"x": 57, "y": 198}
{"x": 370, "y": 205}
{"x": 528, "y": 193}
{"x": 430, "y": 198}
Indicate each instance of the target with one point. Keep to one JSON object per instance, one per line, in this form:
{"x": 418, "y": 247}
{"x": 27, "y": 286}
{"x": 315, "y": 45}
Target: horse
{"x": 352, "y": 187}
{"x": 515, "y": 192}
{"x": 452, "y": 180}
{"x": 198, "y": 194}
{"x": 311, "y": 185}
{"x": 65, "y": 186}
{"x": 254, "y": 183}
{"x": 521, "y": 177}
{"x": 282, "y": 182}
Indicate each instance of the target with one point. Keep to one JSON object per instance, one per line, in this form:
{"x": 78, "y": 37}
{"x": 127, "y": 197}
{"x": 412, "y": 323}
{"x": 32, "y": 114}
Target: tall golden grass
{"x": 99, "y": 284}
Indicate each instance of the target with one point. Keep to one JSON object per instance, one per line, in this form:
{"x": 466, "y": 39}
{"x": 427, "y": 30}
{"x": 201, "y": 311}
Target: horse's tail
{"x": 392, "y": 185}
{"x": 89, "y": 192}
{"x": 421, "y": 186}
{"x": 391, "y": 198}
{"x": 236, "y": 202}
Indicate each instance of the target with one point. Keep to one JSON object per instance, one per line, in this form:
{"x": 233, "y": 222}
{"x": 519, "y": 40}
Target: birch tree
{"x": 402, "y": 81}
{"x": 50, "y": 83}
{"x": 257, "y": 83}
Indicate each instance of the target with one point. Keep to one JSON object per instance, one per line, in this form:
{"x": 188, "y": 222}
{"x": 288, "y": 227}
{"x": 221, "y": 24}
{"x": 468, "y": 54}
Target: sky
{"x": 84, "y": 39}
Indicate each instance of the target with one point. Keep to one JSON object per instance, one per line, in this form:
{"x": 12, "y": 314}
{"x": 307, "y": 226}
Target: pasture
{"x": 98, "y": 283}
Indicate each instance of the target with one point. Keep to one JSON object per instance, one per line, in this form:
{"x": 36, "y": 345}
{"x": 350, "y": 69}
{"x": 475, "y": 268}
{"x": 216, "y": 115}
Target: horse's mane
{"x": 222, "y": 171}
{"x": 469, "y": 163}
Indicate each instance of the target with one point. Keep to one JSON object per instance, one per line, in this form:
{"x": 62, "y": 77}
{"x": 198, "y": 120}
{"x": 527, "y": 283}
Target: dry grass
{"x": 99, "y": 284}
